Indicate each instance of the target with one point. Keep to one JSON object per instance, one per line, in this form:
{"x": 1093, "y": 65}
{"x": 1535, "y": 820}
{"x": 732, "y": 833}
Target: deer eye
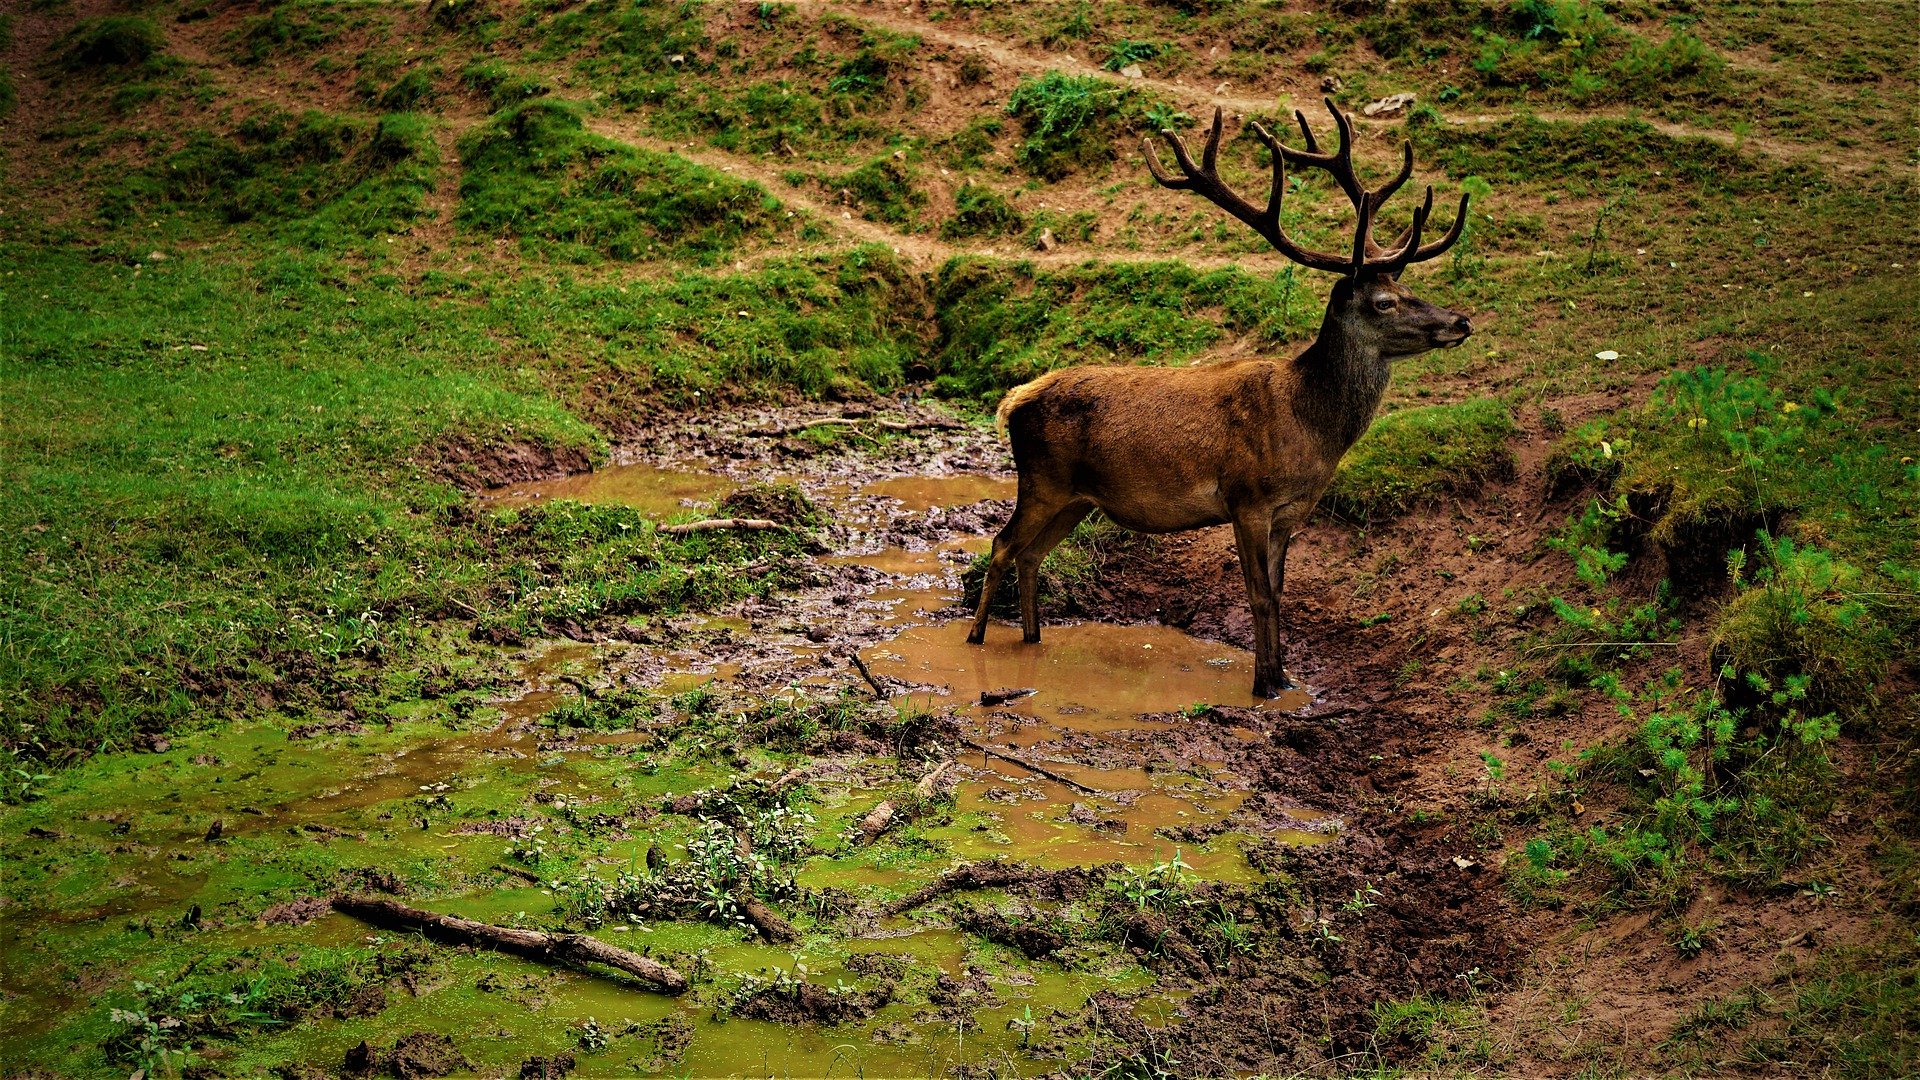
{"x": 1384, "y": 303}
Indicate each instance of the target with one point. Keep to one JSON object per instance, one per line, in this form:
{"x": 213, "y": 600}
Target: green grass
{"x": 536, "y": 174}
{"x": 1413, "y": 455}
{"x": 215, "y": 488}
{"x": 1002, "y": 324}
{"x": 320, "y": 178}
{"x": 1074, "y": 121}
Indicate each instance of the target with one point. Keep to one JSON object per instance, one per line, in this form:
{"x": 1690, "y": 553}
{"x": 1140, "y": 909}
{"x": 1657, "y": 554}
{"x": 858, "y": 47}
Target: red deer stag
{"x": 1252, "y": 443}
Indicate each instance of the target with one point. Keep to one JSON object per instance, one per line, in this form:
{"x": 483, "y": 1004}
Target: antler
{"x": 1367, "y": 256}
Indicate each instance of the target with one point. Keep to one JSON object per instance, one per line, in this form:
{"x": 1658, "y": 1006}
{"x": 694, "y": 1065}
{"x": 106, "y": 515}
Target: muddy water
{"x": 652, "y": 489}
{"x": 409, "y": 796}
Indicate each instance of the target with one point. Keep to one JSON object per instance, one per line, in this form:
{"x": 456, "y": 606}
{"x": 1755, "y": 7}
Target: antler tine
{"x": 1439, "y": 247}
{"x": 1274, "y": 147}
{"x": 1211, "y": 153}
{"x": 1205, "y": 179}
{"x": 1400, "y": 243}
{"x": 1397, "y": 261}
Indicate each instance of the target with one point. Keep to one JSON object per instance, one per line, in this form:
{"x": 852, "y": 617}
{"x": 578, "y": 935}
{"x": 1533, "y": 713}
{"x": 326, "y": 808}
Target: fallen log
{"x": 534, "y": 945}
{"x": 876, "y": 822}
{"x": 717, "y": 524}
{"x": 1039, "y": 770}
{"x": 764, "y": 919}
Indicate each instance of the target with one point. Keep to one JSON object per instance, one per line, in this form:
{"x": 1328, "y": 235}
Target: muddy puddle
{"x": 1074, "y": 774}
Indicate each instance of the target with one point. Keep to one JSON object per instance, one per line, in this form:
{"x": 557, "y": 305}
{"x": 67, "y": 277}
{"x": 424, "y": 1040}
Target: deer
{"x": 1251, "y": 443}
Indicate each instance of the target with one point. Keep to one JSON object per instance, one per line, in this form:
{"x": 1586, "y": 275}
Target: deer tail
{"x": 1019, "y": 396}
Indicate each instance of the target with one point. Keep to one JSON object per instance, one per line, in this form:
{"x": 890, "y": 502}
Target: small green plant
{"x": 1161, "y": 887}
{"x": 1024, "y": 1024}
{"x": 1123, "y": 53}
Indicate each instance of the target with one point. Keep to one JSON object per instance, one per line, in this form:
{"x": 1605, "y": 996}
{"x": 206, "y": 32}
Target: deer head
{"x": 1370, "y": 312}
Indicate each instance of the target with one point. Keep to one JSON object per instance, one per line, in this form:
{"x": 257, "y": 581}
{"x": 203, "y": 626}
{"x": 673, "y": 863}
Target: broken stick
{"x": 532, "y": 944}
{"x": 716, "y": 524}
{"x": 989, "y": 874}
{"x": 861, "y": 665}
{"x": 929, "y": 785}
{"x": 1032, "y": 768}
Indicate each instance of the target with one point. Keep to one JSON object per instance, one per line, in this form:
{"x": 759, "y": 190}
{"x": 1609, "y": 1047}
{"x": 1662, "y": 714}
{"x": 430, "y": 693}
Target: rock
{"x": 1332, "y": 85}
{"x": 1046, "y": 241}
{"x": 156, "y": 256}
{"x": 1132, "y": 71}
{"x": 1391, "y": 105}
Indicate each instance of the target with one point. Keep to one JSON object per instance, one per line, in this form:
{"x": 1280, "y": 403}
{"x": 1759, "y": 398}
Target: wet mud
{"x": 1181, "y": 846}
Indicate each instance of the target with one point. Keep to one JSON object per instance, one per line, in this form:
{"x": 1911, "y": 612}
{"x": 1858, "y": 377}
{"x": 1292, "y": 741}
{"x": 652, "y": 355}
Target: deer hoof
{"x": 975, "y": 637}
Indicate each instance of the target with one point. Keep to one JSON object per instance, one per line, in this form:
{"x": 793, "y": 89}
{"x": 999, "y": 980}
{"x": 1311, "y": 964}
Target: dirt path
{"x": 919, "y": 247}
{"x": 1306, "y": 97}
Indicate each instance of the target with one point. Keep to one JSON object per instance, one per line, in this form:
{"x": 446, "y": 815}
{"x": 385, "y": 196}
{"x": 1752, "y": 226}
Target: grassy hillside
{"x": 286, "y": 285}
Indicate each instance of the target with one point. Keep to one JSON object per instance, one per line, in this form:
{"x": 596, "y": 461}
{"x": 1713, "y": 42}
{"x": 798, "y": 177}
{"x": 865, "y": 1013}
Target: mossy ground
{"x": 252, "y": 356}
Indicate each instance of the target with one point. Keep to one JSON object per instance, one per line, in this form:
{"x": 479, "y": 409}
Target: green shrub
{"x": 978, "y": 210}
{"x": 1122, "y": 53}
{"x": 1712, "y": 458}
{"x": 317, "y": 178}
{"x": 280, "y": 30}
{"x": 1797, "y": 618}
{"x": 1070, "y": 576}
{"x": 112, "y": 41}
{"x": 1649, "y": 69}
{"x": 1409, "y": 456}
{"x": 501, "y": 85}
{"x": 409, "y": 90}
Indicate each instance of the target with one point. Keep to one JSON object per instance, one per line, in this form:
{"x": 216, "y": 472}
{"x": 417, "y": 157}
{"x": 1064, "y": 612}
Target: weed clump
{"x": 784, "y": 503}
{"x": 112, "y": 41}
{"x": 978, "y": 210}
{"x": 535, "y": 173}
{"x": 884, "y": 189}
{"x": 1070, "y": 576}
{"x": 1797, "y": 617}
{"x": 1415, "y": 454}
{"x": 1071, "y": 121}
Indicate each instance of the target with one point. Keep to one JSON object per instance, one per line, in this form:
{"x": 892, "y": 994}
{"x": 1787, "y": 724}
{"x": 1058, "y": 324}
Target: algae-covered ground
{"x": 357, "y": 362}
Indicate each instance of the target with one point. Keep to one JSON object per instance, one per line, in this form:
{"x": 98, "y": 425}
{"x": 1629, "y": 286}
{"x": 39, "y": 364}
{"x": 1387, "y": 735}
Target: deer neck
{"x": 1341, "y": 379}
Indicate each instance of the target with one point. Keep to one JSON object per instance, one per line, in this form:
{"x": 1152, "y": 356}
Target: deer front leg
{"x": 1253, "y": 539}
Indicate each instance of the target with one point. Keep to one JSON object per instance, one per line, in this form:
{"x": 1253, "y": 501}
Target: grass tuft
{"x": 1410, "y": 456}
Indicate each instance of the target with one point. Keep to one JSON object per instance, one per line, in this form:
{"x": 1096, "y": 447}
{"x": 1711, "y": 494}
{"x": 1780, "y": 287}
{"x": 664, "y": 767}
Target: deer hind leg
{"x": 1253, "y": 538}
{"x": 1028, "y": 521}
{"x": 1027, "y": 563}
